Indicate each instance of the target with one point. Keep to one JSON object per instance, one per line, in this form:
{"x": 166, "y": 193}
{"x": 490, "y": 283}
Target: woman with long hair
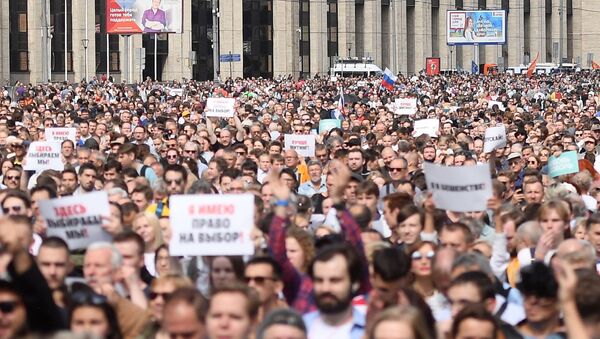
{"x": 148, "y": 227}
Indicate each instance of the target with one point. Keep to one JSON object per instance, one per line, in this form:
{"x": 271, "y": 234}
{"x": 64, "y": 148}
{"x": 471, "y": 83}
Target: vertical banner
{"x": 144, "y": 16}
{"x": 433, "y": 66}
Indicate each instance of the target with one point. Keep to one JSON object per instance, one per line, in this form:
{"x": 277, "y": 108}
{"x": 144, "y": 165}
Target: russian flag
{"x": 389, "y": 79}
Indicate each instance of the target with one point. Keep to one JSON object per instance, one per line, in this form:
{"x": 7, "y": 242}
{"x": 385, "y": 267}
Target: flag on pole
{"x": 389, "y": 79}
{"x": 341, "y": 102}
{"x": 533, "y": 65}
{"x": 595, "y": 65}
{"x": 474, "y": 67}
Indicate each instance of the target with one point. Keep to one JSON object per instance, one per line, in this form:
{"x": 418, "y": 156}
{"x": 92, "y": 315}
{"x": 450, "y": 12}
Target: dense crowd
{"x": 348, "y": 243}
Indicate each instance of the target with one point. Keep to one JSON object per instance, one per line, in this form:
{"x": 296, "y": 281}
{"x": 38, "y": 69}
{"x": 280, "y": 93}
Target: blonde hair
{"x": 408, "y": 314}
{"x": 154, "y": 223}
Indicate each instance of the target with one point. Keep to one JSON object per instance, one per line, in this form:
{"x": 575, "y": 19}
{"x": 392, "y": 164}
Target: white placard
{"x": 60, "y": 134}
{"x": 426, "y": 126}
{"x": 77, "y": 219}
{"x": 303, "y": 144}
{"x": 460, "y": 188}
{"x": 406, "y": 106}
{"x": 43, "y": 155}
{"x": 500, "y": 105}
{"x": 176, "y": 92}
{"x": 220, "y": 107}
{"x": 211, "y": 224}
{"x": 495, "y": 137}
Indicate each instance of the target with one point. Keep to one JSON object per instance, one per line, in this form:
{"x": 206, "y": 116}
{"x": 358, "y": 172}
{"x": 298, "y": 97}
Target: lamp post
{"x": 85, "y": 43}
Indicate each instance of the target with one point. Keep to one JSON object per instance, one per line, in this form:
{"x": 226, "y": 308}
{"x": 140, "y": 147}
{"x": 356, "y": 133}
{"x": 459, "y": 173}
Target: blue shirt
{"x": 357, "y": 330}
{"x": 309, "y": 189}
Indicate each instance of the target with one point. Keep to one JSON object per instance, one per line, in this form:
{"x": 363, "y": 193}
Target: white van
{"x": 355, "y": 67}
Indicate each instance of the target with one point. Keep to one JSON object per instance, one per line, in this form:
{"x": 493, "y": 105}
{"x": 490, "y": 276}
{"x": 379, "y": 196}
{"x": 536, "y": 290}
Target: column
{"x": 489, "y": 54}
{"x": 516, "y": 35}
{"x": 286, "y": 48}
{"x": 556, "y": 27}
{"x": 346, "y": 28}
{"x": 78, "y": 35}
{"x": 319, "y": 61}
{"x": 422, "y": 31}
{"x": 372, "y": 30}
{"x": 4, "y": 42}
{"x": 537, "y": 30}
{"x": 231, "y": 34}
{"x": 34, "y": 27}
{"x": 589, "y": 24}
{"x": 443, "y": 48}
{"x": 178, "y": 64}
{"x": 577, "y": 38}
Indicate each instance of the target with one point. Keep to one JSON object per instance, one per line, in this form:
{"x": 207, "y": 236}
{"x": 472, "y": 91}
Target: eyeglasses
{"x": 171, "y": 157}
{"x": 15, "y": 178}
{"x": 153, "y": 295}
{"x": 192, "y": 151}
{"x": 7, "y": 307}
{"x": 397, "y": 169}
{"x": 259, "y": 280}
{"x": 418, "y": 256}
{"x": 176, "y": 181}
{"x": 533, "y": 162}
{"x": 15, "y": 209}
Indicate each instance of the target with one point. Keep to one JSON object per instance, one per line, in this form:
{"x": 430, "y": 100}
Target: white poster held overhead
{"x": 77, "y": 219}
{"x": 426, "y": 126}
{"x": 211, "y": 224}
{"x": 495, "y": 137}
{"x": 406, "y": 106}
{"x": 500, "y": 105}
{"x": 304, "y": 145}
{"x": 43, "y": 155}
{"x": 220, "y": 107}
{"x": 459, "y": 188}
{"x": 60, "y": 134}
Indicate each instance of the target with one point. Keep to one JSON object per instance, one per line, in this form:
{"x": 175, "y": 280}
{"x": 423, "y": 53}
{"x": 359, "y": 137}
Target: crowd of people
{"x": 348, "y": 243}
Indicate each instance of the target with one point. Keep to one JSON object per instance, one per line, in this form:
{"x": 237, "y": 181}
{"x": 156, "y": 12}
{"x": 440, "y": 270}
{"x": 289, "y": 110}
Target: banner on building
{"x": 144, "y": 16}
{"x": 303, "y": 144}
{"x": 433, "y": 66}
{"x": 475, "y": 27}
{"x": 459, "y": 188}
{"x": 211, "y": 224}
{"x": 77, "y": 219}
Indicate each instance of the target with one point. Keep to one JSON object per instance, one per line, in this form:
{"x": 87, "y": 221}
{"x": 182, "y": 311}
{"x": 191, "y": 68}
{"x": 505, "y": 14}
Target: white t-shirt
{"x": 320, "y": 330}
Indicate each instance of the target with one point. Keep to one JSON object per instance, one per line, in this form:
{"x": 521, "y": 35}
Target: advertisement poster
{"x": 144, "y": 16}
{"x": 433, "y": 66}
{"x": 475, "y": 27}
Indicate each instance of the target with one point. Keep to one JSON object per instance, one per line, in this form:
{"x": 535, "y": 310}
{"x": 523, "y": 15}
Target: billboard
{"x": 144, "y": 16}
{"x": 475, "y": 27}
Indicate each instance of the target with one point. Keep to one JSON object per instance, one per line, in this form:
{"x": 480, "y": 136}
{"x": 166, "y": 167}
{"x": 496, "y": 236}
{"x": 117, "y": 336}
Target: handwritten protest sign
{"x": 43, "y": 155}
{"x": 211, "y": 224}
{"x": 220, "y": 107}
{"x": 304, "y": 145}
{"x": 459, "y": 189}
{"x": 406, "y": 106}
{"x": 329, "y": 124}
{"x": 426, "y": 126}
{"x": 77, "y": 219}
{"x": 60, "y": 134}
{"x": 495, "y": 137}
{"x": 566, "y": 163}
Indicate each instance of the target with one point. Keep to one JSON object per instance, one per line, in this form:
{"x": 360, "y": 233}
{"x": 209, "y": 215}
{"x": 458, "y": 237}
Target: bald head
{"x": 579, "y": 253}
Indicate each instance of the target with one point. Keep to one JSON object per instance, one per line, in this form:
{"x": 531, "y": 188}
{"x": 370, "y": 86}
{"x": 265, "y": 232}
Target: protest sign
{"x": 211, "y": 224}
{"x": 329, "y": 124}
{"x": 175, "y": 92}
{"x": 43, "y": 155}
{"x": 459, "y": 189}
{"x": 60, "y": 134}
{"x": 304, "y": 145}
{"x": 495, "y": 137}
{"x": 500, "y": 105}
{"x": 426, "y": 126}
{"x": 566, "y": 163}
{"x": 406, "y": 106}
{"x": 77, "y": 219}
{"x": 220, "y": 107}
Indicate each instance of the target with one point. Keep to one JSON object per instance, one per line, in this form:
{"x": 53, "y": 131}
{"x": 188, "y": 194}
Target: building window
{"x": 19, "y": 44}
{"x": 57, "y": 21}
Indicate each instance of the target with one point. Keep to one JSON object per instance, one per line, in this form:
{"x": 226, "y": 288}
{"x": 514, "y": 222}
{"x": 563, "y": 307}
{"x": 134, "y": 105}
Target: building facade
{"x": 282, "y": 37}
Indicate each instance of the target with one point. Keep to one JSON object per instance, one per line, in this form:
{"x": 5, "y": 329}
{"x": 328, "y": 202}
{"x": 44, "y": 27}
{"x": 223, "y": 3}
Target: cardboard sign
{"x": 211, "y": 224}
{"x": 77, "y": 219}
{"x": 43, "y": 155}
{"x": 304, "y": 145}
{"x": 461, "y": 188}
{"x": 500, "y": 105}
{"x": 329, "y": 124}
{"x": 566, "y": 163}
{"x": 426, "y": 126}
{"x": 175, "y": 92}
{"x": 220, "y": 107}
{"x": 60, "y": 134}
{"x": 495, "y": 137}
{"x": 406, "y": 106}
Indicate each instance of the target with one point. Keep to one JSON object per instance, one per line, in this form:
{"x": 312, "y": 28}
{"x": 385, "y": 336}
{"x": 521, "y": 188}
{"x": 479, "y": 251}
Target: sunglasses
{"x": 418, "y": 256}
{"x": 259, "y": 280}
{"x": 15, "y": 178}
{"x": 397, "y": 169}
{"x": 192, "y": 151}
{"x": 7, "y": 307}
{"x": 88, "y": 298}
{"x": 15, "y": 209}
{"x": 177, "y": 181}
{"x": 154, "y": 295}
{"x": 533, "y": 162}
{"x": 171, "y": 157}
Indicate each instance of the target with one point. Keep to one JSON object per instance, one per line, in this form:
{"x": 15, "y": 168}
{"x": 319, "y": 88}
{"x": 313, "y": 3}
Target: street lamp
{"x": 85, "y": 43}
